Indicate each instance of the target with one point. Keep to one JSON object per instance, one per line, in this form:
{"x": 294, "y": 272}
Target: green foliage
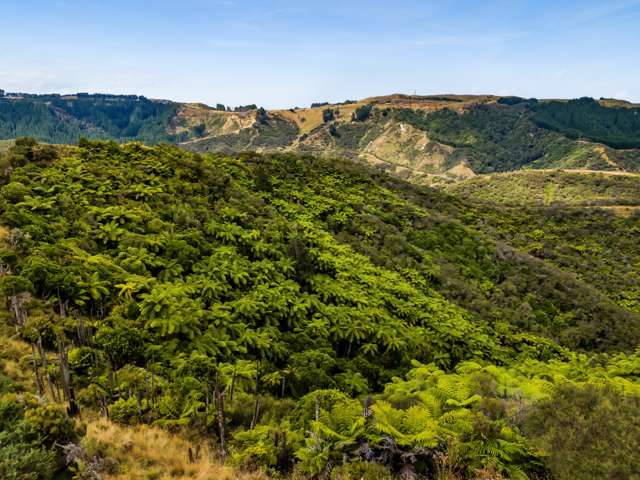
{"x": 60, "y": 119}
{"x": 493, "y": 138}
{"x": 362, "y": 113}
{"x": 319, "y": 317}
{"x": 617, "y": 127}
{"x": 551, "y": 188}
{"x": 589, "y": 432}
{"x": 328, "y": 115}
{"x": 361, "y": 471}
{"x": 14, "y": 284}
{"x": 31, "y": 438}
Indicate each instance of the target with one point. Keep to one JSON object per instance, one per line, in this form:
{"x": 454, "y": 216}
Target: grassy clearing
{"x": 15, "y": 358}
{"x": 146, "y": 452}
{"x": 549, "y": 187}
{"x": 308, "y": 119}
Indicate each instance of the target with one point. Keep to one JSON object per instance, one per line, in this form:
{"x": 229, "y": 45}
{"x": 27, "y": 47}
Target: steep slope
{"x": 420, "y": 138}
{"x": 580, "y": 221}
{"x": 310, "y": 317}
{"x": 452, "y": 136}
{"x": 66, "y": 118}
{"x": 344, "y": 219}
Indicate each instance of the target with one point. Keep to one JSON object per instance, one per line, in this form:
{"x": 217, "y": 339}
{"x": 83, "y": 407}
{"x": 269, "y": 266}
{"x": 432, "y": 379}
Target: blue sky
{"x": 282, "y": 53}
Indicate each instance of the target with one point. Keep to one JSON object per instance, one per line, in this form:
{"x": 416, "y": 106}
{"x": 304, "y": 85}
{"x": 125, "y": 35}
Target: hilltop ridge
{"x": 422, "y": 138}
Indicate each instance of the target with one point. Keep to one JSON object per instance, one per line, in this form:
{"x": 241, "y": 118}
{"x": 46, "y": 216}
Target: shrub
{"x": 361, "y": 471}
{"x": 362, "y": 113}
{"x": 124, "y": 411}
{"x": 589, "y": 432}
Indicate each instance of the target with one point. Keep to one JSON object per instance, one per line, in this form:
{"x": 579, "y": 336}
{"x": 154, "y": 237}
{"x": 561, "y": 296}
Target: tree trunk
{"x": 67, "y": 389}
{"x": 45, "y": 366}
{"x": 111, "y": 377}
{"x": 105, "y": 406}
{"x": 233, "y": 384}
{"x": 219, "y": 397}
{"x": 256, "y": 413}
{"x": 36, "y": 369}
{"x": 206, "y": 401}
{"x": 139, "y": 404}
{"x": 81, "y": 332}
{"x": 153, "y": 390}
{"x": 18, "y": 310}
{"x": 63, "y": 308}
{"x": 256, "y": 407}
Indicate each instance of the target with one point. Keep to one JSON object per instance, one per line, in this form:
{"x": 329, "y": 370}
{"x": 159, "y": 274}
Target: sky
{"x": 285, "y": 53}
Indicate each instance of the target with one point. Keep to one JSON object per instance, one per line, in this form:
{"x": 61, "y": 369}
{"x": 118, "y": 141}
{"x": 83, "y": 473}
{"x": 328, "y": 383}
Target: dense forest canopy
{"x": 618, "y": 127}
{"x": 315, "y": 317}
{"x": 65, "y": 119}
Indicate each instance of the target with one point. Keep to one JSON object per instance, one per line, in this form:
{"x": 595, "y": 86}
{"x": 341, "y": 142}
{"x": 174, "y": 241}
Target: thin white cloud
{"x": 602, "y": 10}
{"x": 467, "y": 40}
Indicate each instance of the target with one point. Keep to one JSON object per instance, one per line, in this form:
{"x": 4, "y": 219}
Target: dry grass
{"x": 15, "y": 356}
{"x": 5, "y": 145}
{"x": 308, "y": 119}
{"x": 145, "y": 452}
{"x": 142, "y": 452}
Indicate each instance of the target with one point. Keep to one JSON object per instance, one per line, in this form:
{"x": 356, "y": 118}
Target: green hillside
{"x": 552, "y": 187}
{"x": 618, "y": 127}
{"x": 66, "y": 119}
{"x": 412, "y": 137}
{"x": 314, "y": 318}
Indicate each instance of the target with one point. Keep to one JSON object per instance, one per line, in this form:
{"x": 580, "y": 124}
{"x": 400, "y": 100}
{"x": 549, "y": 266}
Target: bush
{"x": 24, "y": 461}
{"x": 27, "y": 150}
{"x": 30, "y": 438}
{"x": 589, "y": 432}
{"x": 54, "y": 424}
{"x": 14, "y": 284}
{"x": 362, "y": 113}
{"x": 511, "y": 100}
{"x": 361, "y": 471}
{"x": 124, "y": 411}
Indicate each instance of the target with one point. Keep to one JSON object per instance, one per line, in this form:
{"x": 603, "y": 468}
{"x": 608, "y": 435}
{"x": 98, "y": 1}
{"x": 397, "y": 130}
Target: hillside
{"x": 310, "y": 317}
{"x": 420, "y": 138}
{"x": 577, "y": 188}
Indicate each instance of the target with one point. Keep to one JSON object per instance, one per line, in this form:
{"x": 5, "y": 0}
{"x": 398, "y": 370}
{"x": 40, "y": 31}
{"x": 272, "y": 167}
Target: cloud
{"x": 469, "y": 40}
{"x": 600, "y": 11}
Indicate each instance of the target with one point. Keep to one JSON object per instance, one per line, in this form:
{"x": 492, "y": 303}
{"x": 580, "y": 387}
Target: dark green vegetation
{"x": 618, "y": 127}
{"x": 66, "y": 119}
{"x": 484, "y": 134}
{"x": 584, "y": 223}
{"x": 320, "y": 319}
{"x": 500, "y": 138}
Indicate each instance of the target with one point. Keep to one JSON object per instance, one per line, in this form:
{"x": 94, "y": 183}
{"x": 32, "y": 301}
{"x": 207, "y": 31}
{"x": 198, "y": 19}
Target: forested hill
{"x": 66, "y": 119}
{"x": 414, "y": 137}
{"x": 312, "y": 317}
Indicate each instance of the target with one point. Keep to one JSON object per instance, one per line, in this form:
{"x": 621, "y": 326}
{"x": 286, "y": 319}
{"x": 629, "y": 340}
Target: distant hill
{"x": 420, "y": 138}
{"x": 567, "y": 188}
